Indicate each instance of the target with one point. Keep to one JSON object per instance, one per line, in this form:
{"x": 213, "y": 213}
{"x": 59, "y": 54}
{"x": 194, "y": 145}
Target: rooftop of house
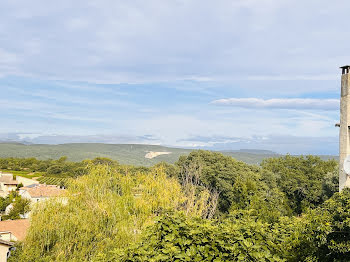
{"x": 6, "y": 243}
{"x": 31, "y": 186}
{"x": 16, "y": 227}
{"x": 7, "y": 179}
{"x": 43, "y": 190}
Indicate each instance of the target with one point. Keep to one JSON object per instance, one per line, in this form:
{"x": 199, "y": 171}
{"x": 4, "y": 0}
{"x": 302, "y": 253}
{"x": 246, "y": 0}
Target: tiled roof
{"x": 32, "y": 185}
{"x": 8, "y": 180}
{"x": 44, "y": 191}
{"x": 17, "y": 227}
{"x": 7, "y": 243}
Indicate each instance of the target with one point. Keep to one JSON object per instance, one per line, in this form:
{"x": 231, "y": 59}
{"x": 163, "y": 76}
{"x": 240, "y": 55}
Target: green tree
{"x": 104, "y": 161}
{"x": 21, "y": 206}
{"x": 306, "y": 180}
{"x": 105, "y": 210}
{"x": 336, "y": 246}
{"x": 234, "y": 180}
{"x": 4, "y": 202}
{"x": 240, "y": 186}
{"x": 169, "y": 169}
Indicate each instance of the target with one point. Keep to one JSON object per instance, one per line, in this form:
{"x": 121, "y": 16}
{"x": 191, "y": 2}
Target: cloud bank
{"x": 284, "y": 144}
{"x": 146, "y": 71}
{"x": 280, "y": 103}
{"x": 159, "y": 40}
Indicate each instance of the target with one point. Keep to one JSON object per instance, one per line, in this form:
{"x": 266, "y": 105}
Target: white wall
{"x": 3, "y": 252}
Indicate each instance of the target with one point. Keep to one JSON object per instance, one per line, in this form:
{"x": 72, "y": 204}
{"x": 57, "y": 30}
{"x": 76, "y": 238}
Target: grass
{"x": 26, "y": 174}
{"x": 40, "y": 175}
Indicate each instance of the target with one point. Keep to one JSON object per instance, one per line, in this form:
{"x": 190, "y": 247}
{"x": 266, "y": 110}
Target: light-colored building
{"x": 5, "y": 250}
{"x": 26, "y": 181}
{"x": 8, "y": 183}
{"x": 14, "y": 230}
{"x": 10, "y": 232}
{"x": 40, "y": 192}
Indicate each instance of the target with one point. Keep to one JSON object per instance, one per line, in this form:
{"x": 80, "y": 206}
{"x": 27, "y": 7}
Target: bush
{"x": 176, "y": 237}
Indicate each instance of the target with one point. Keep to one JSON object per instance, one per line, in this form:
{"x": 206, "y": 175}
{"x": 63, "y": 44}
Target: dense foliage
{"x": 5, "y": 201}
{"x": 304, "y": 180}
{"x": 126, "y": 154}
{"x": 51, "y": 168}
{"x": 59, "y": 181}
{"x": 105, "y": 210}
{"x": 235, "y": 180}
{"x": 178, "y": 238}
{"x": 20, "y": 206}
{"x": 207, "y": 207}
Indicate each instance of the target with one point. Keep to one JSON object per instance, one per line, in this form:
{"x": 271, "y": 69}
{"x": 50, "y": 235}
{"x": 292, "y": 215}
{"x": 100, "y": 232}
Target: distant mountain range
{"x": 132, "y": 154}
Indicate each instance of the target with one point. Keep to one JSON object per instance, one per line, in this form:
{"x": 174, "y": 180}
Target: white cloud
{"x": 277, "y": 143}
{"x": 240, "y": 48}
{"x": 131, "y": 41}
{"x": 280, "y": 103}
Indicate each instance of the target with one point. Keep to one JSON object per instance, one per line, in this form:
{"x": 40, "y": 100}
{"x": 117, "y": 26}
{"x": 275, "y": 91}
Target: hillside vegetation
{"x": 123, "y": 153}
{"x": 205, "y": 207}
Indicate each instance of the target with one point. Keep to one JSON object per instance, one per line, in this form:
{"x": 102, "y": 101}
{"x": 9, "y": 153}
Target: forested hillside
{"x": 124, "y": 153}
{"x": 205, "y": 207}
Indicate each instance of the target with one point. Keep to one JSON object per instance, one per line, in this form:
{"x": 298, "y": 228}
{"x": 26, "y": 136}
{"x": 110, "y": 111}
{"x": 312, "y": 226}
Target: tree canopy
{"x": 206, "y": 207}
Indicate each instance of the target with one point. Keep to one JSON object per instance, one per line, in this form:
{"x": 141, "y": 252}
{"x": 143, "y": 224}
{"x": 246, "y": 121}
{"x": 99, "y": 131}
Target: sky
{"x": 223, "y": 75}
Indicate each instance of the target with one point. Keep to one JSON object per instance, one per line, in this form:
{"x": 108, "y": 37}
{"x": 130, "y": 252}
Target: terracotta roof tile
{"x": 17, "y": 227}
{"x": 44, "y": 191}
{"x": 8, "y": 180}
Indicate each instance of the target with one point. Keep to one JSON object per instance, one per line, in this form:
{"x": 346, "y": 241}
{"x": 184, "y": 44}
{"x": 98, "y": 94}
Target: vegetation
{"x": 32, "y": 167}
{"x": 5, "y": 201}
{"x": 304, "y": 180}
{"x": 206, "y": 207}
{"x": 176, "y": 237}
{"x": 21, "y": 206}
{"x": 125, "y": 154}
{"x": 58, "y": 181}
{"x": 106, "y": 210}
{"x": 23, "y": 173}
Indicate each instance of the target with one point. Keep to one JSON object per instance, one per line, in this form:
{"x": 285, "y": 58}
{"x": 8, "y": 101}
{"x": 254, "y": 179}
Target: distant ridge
{"x": 253, "y": 151}
{"x": 131, "y": 154}
{"x": 15, "y": 142}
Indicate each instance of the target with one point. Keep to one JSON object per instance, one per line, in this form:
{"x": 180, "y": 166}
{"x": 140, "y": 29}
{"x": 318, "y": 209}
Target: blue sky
{"x": 210, "y": 74}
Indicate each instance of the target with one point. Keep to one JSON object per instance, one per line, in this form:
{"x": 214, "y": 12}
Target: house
{"x": 9, "y": 182}
{"x": 10, "y": 232}
{"x": 14, "y": 230}
{"x": 5, "y": 250}
{"x": 26, "y": 181}
{"x": 40, "y": 192}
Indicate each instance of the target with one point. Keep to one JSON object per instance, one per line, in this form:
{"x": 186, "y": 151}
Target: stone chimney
{"x": 344, "y": 132}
